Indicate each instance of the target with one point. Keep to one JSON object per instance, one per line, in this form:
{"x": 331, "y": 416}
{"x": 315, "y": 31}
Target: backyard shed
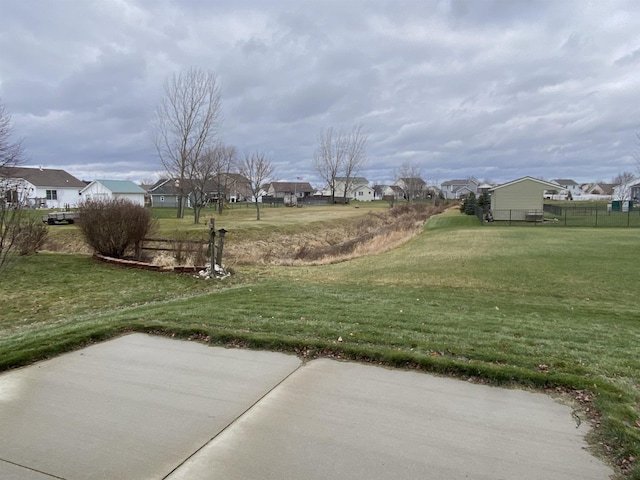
{"x": 114, "y": 189}
{"x": 520, "y": 199}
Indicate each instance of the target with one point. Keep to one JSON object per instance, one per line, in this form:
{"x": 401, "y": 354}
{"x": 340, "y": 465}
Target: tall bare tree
{"x": 340, "y": 153}
{"x": 408, "y": 176}
{"x": 208, "y": 177}
{"x": 12, "y": 196}
{"x": 329, "y": 157}
{"x": 257, "y": 168}
{"x": 226, "y": 160}
{"x": 355, "y": 156}
{"x": 623, "y": 183}
{"x": 186, "y": 123}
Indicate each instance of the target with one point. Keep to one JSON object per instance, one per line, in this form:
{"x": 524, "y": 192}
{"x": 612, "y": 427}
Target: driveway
{"x": 144, "y": 407}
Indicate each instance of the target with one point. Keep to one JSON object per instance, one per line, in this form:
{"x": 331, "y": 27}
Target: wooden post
{"x": 222, "y": 231}
{"x": 212, "y": 243}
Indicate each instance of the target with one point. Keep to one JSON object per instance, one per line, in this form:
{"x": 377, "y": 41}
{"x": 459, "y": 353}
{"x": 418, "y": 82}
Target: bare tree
{"x": 636, "y": 154}
{"x": 226, "y": 159}
{"x": 340, "y": 153}
{"x": 329, "y": 157}
{"x": 257, "y": 168}
{"x": 408, "y": 177}
{"x": 201, "y": 174}
{"x": 208, "y": 177}
{"x": 355, "y": 156}
{"x": 12, "y": 194}
{"x": 186, "y": 123}
{"x": 623, "y": 183}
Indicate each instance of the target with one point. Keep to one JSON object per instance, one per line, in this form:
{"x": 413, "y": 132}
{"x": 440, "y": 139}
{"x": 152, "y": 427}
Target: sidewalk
{"x": 142, "y": 407}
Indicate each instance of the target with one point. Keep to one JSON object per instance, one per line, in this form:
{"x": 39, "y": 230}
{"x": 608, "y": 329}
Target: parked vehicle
{"x": 57, "y": 218}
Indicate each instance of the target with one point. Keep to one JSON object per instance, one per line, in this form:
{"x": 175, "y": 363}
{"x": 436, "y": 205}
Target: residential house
{"x": 600, "y": 189}
{"x": 164, "y": 193}
{"x": 237, "y": 187}
{"x": 413, "y": 187}
{"x": 358, "y": 189}
{"x": 114, "y": 190}
{"x": 520, "y": 199}
{"x": 388, "y": 192}
{"x": 233, "y": 186}
{"x": 455, "y": 189}
{"x": 363, "y": 193}
{"x": 569, "y": 189}
{"x": 40, "y": 187}
{"x": 289, "y": 189}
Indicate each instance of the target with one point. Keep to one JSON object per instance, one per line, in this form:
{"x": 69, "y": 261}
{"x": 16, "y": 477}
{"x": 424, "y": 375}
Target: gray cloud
{"x": 496, "y": 89}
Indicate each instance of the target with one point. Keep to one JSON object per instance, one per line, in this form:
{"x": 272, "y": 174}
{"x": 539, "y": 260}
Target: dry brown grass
{"x": 325, "y": 238}
{"x": 375, "y": 233}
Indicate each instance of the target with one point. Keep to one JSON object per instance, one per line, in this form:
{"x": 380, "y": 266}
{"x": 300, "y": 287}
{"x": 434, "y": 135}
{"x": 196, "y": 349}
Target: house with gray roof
{"x": 40, "y": 187}
{"x": 454, "y": 189}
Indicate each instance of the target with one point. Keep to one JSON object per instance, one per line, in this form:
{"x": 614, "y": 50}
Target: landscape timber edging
{"x": 148, "y": 266}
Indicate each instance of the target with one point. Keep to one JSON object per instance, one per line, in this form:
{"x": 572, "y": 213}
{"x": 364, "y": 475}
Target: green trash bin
{"x": 616, "y": 205}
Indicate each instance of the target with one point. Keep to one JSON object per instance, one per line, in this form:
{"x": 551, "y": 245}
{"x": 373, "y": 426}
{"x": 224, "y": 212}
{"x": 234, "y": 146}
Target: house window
{"x": 52, "y": 195}
{"x": 360, "y": 193}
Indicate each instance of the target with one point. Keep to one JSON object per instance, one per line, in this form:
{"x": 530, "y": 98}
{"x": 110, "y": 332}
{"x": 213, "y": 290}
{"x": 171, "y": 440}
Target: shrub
{"x": 114, "y": 227}
{"x": 30, "y": 236}
{"x": 468, "y": 206}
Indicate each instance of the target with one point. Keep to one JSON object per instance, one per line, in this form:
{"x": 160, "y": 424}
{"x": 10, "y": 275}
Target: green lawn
{"x": 537, "y": 307}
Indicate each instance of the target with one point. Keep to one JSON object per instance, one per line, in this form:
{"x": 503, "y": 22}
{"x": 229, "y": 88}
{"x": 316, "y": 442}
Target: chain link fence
{"x": 566, "y": 216}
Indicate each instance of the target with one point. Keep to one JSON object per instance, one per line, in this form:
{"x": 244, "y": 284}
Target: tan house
{"x": 520, "y": 199}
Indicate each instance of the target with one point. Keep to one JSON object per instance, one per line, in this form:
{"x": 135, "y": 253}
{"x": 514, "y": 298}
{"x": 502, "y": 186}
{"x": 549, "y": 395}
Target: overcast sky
{"x": 496, "y": 89}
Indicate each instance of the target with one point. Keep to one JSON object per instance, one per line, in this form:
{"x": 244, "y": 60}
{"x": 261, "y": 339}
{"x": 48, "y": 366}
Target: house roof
{"x": 457, "y": 182}
{"x": 291, "y": 186}
{"x": 354, "y": 180}
{"x": 565, "y": 182}
{"x": 118, "y": 186}
{"x": 413, "y": 180}
{"x": 43, "y": 177}
{"x": 605, "y": 188}
{"x": 542, "y": 183}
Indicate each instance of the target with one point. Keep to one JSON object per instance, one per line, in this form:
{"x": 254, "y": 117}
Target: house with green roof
{"x": 113, "y": 189}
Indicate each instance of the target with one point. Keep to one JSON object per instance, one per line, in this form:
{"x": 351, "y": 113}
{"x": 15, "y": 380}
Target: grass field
{"x": 554, "y": 309}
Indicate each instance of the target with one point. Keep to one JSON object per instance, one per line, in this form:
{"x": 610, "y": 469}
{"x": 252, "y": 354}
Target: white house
{"x": 113, "y": 189}
{"x": 40, "y": 187}
{"x": 358, "y": 189}
{"x": 413, "y": 187}
{"x": 363, "y": 193}
{"x": 568, "y": 189}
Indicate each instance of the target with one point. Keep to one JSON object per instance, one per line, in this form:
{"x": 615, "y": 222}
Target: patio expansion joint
{"x": 31, "y": 469}
{"x": 232, "y": 422}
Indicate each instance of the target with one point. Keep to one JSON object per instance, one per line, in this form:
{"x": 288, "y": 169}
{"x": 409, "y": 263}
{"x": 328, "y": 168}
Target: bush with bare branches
{"x": 115, "y": 227}
{"x": 30, "y": 236}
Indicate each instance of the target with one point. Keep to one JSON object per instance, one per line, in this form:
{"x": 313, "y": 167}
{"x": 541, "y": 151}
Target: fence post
{"x": 222, "y": 231}
{"x": 212, "y": 241}
{"x": 629, "y": 214}
{"x": 565, "y": 215}
{"x": 596, "y": 216}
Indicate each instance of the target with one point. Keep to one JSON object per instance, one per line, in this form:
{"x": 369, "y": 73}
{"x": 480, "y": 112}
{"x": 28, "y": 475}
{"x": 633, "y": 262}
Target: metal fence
{"x": 565, "y": 216}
